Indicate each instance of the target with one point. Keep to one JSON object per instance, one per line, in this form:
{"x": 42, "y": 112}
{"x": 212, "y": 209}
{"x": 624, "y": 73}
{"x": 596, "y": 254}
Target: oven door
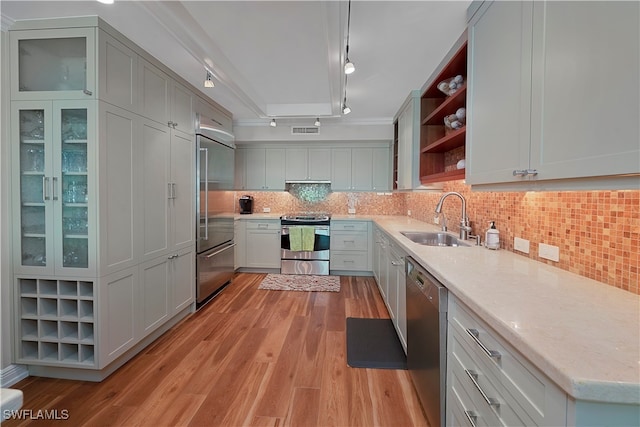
{"x": 320, "y": 245}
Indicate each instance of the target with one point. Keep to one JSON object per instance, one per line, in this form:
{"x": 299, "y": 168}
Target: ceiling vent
{"x": 302, "y": 130}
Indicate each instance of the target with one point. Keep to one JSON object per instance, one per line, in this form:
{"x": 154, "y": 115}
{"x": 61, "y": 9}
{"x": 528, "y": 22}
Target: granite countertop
{"x": 585, "y": 335}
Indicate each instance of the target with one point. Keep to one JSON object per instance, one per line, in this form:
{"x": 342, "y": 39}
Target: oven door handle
{"x": 317, "y": 227}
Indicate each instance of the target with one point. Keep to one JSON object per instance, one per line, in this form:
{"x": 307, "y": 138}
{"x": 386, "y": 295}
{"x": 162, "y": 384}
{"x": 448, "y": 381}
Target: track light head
{"x": 273, "y": 123}
{"x": 345, "y": 109}
{"x": 349, "y": 67}
{"x": 317, "y": 123}
{"x": 207, "y": 81}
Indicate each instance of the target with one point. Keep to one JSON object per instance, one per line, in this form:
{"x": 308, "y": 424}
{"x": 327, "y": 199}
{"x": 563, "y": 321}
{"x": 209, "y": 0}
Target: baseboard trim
{"x": 12, "y": 374}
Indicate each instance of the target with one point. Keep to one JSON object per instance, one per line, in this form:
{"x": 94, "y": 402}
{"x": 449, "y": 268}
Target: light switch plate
{"x": 549, "y": 252}
{"x": 265, "y": 210}
{"x": 521, "y": 245}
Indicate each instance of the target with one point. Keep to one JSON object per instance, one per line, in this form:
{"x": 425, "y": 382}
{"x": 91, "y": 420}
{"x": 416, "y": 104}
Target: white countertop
{"x": 583, "y": 334}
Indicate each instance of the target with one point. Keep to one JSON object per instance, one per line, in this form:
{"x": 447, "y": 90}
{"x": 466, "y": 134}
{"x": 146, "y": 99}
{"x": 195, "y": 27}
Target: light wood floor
{"x": 249, "y": 358}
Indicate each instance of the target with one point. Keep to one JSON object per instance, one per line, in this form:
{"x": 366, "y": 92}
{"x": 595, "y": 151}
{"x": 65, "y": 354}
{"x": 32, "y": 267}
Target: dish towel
{"x": 302, "y": 238}
{"x": 308, "y": 238}
{"x": 295, "y": 238}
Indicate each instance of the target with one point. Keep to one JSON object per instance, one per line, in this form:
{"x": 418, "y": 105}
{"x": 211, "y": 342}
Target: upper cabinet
{"x": 406, "y": 160}
{"x": 361, "y": 169}
{"x": 53, "y": 64}
{"x": 441, "y": 146}
{"x": 554, "y": 91}
{"x": 308, "y": 164}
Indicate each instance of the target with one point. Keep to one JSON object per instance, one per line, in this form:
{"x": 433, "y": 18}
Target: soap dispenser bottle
{"x": 492, "y": 237}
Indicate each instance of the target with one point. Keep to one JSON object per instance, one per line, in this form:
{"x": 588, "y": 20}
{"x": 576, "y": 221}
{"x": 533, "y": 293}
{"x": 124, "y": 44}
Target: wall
{"x": 598, "y": 232}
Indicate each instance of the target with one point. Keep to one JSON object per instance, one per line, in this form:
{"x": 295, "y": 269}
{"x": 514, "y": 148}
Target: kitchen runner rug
{"x": 300, "y": 282}
{"x": 373, "y": 343}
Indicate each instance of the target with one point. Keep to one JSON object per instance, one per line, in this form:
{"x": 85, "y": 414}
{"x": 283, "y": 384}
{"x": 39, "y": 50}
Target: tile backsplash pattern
{"x": 598, "y": 232}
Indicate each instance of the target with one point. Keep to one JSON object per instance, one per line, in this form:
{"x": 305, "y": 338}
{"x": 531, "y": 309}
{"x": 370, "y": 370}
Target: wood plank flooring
{"x": 249, "y": 358}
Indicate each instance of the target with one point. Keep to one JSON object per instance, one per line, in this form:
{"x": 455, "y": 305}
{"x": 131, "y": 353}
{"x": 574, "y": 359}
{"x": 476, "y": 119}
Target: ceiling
{"x": 284, "y": 59}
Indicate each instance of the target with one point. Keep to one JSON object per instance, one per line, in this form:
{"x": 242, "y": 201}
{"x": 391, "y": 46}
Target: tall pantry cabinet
{"x": 103, "y": 197}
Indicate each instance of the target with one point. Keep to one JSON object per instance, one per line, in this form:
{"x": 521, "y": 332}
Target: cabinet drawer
{"x": 344, "y": 241}
{"x": 355, "y": 261}
{"x": 524, "y": 385}
{"x": 263, "y": 225}
{"x": 349, "y": 226}
{"x": 486, "y": 387}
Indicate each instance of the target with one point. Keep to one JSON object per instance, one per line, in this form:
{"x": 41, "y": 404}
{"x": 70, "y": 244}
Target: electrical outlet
{"x": 265, "y": 210}
{"x": 521, "y": 245}
{"x": 352, "y": 211}
{"x": 409, "y": 212}
{"x": 549, "y": 252}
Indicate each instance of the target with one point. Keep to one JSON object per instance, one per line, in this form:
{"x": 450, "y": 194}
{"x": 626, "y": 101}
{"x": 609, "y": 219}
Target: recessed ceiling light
{"x": 106, "y": 1}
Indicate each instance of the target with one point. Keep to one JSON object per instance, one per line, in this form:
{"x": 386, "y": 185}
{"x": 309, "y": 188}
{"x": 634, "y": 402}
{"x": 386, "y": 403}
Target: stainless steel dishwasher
{"x": 427, "y": 339}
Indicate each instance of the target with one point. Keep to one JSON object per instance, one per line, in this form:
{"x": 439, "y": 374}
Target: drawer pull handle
{"x": 474, "y": 378}
{"x": 472, "y": 417}
{"x": 475, "y": 334}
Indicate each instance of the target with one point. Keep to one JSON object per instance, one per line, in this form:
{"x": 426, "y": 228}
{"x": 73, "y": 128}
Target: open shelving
{"x": 435, "y": 140}
{"x": 56, "y": 322}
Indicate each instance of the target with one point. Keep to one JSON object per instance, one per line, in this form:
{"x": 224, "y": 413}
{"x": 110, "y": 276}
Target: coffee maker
{"x": 246, "y": 204}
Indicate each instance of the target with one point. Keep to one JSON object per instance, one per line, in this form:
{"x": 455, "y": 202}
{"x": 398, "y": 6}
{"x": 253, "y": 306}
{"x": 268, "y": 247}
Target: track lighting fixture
{"x": 317, "y": 123}
{"x": 345, "y": 107}
{"x": 273, "y": 123}
{"x": 207, "y": 81}
{"x": 348, "y": 65}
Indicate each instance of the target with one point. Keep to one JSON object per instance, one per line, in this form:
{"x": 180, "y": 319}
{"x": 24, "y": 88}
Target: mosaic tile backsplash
{"x": 598, "y": 232}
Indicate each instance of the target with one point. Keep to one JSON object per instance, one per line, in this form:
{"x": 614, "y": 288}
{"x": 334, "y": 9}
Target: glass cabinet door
{"x": 34, "y": 126}
{"x": 52, "y": 64}
{"x": 55, "y": 197}
{"x": 75, "y": 193}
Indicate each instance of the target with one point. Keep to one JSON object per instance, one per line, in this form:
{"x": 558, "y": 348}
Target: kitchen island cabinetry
{"x": 524, "y": 106}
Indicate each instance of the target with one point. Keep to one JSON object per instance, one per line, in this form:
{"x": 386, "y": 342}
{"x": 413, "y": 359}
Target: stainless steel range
{"x": 304, "y": 243}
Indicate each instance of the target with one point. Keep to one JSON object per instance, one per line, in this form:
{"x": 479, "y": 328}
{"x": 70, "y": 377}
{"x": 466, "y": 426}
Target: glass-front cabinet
{"x": 53, "y": 64}
{"x": 54, "y": 191}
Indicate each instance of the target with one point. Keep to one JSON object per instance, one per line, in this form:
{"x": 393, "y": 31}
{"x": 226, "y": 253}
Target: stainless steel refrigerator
{"x": 215, "y": 157}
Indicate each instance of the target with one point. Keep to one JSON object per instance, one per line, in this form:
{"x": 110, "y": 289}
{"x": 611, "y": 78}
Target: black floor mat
{"x": 373, "y": 343}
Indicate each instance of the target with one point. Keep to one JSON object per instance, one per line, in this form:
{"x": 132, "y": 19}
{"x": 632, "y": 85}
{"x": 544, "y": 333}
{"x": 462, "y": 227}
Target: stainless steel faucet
{"x": 465, "y": 229}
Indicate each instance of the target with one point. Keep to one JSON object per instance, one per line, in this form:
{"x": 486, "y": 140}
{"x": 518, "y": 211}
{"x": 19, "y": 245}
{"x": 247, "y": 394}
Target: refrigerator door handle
{"x": 220, "y": 251}
{"x": 206, "y": 192}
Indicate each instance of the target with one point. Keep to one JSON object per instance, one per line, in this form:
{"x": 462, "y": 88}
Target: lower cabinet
{"x": 389, "y": 271}
{"x": 350, "y": 246}
{"x": 490, "y": 383}
{"x": 262, "y": 243}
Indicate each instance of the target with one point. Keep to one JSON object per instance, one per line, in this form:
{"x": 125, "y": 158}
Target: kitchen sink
{"x": 433, "y": 238}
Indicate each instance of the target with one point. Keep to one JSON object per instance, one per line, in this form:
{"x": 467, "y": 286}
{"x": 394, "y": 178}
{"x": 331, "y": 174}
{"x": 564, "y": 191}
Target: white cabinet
{"x": 397, "y": 292}
{"x": 361, "y": 169}
{"x": 264, "y": 168}
{"x": 409, "y": 144}
{"x": 262, "y": 244}
{"x": 117, "y": 73}
{"x": 54, "y": 199}
{"x": 537, "y": 69}
{"x": 239, "y": 171}
{"x": 313, "y": 164}
{"x": 381, "y": 262}
{"x": 166, "y": 166}
{"x": 182, "y": 115}
{"x": 240, "y": 251}
{"x": 490, "y": 381}
{"x": 351, "y": 246}
{"x": 53, "y": 63}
